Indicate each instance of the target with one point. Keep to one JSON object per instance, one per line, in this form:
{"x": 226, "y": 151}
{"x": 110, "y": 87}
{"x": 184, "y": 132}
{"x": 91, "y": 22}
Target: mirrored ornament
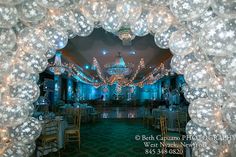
{"x": 8, "y": 16}
{"x": 229, "y": 112}
{"x": 32, "y": 39}
{"x": 84, "y": 27}
{"x": 25, "y": 90}
{"x": 191, "y": 93}
{"x": 7, "y": 40}
{"x": 112, "y": 22}
{"x": 186, "y": 10}
{"x": 51, "y": 3}
{"x": 217, "y": 38}
{"x": 159, "y": 19}
{"x": 30, "y": 11}
{"x": 198, "y": 74}
{"x": 129, "y": 10}
{"x": 26, "y": 132}
{"x": 13, "y": 112}
{"x": 230, "y": 82}
{"x": 140, "y": 26}
{"x": 57, "y": 38}
{"x": 182, "y": 42}
{"x": 162, "y": 39}
{"x": 94, "y": 10}
{"x": 205, "y": 112}
{"x": 34, "y": 60}
{"x": 178, "y": 63}
{"x": 196, "y": 25}
{"x": 224, "y": 8}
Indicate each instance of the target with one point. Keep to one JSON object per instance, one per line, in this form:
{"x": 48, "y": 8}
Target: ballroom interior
{"x": 117, "y": 78}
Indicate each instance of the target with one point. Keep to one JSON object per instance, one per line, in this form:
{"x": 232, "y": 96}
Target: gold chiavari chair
{"x": 182, "y": 120}
{"x": 170, "y": 140}
{"x": 72, "y": 133}
{"x": 48, "y": 140}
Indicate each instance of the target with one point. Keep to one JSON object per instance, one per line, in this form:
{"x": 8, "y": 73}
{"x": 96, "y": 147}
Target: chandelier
{"x": 126, "y": 35}
{"x": 57, "y": 68}
{"x": 119, "y": 67}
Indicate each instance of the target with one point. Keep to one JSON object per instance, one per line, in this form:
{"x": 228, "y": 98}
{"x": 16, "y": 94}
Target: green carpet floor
{"x": 110, "y": 138}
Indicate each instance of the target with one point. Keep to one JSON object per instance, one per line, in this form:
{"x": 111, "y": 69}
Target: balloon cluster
{"x": 201, "y": 34}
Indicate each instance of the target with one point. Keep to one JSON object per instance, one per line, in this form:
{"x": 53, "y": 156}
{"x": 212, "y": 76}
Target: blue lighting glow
{"x": 104, "y": 52}
{"x": 87, "y": 67}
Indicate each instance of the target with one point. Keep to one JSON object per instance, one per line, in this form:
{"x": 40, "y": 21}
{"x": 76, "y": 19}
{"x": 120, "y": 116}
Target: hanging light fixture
{"x": 57, "y": 68}
{"x": 126, "y": 36}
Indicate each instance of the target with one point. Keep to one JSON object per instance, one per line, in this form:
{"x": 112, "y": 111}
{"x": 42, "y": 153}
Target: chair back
{"x": 163, "y": 124}
{"x": 50, "y": 127}
{"x": 77, "y": 118}
{"x": 182, "y": 120}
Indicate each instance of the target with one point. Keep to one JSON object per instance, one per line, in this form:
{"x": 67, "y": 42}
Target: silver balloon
{"x": 129, "y": 10}
{"x": 230, "y": 82}
{"x": 35, "y": 60}
{"x": 16, "y": 150}
{"x": 192, "y": 93}
{"x": 26, "y": 132}
{"x": 205, "y": 112}
{"x": 51, "y": 3}
{"x": 84, "y": 27}
{"x": 5, "y": 65}
{"x": 94, "y": 10}
{"x": 25, "y": 90}
{"x": 140, "y": 26}
{"x": 229, "y": 112}
{"x": 7, "y": 40}
{"x": 224, "y": 8}
{"x": 182, "y": 42}
{"x": 57, "y": 38}
{"x": 31, "y": 148}
{"x": 50, "y": 53}
{"x": 205, "y": 149}
{"x": 186, "y": 10}
{"x": 195, "y": 131}
{"x": 196, "y": 25}
{"x": 224, "y": 64}
{"x": 217, "y": 38}
{"x": 32, "y": 39}
{"x": 198, "y": 74}
{"x": 11, "y": 2}
{"x": 12, "y": 112}
{"x": 159, "y": 19}
{"x": 112, "y": 22}
{"x": 162, "y": 39}
{"x": 161, "y": 2}
{"x": 5, "y": 139}
{"x": 30, "y": 11}
{"x": 8, "y": 16}
{"x": 178, "y": 63}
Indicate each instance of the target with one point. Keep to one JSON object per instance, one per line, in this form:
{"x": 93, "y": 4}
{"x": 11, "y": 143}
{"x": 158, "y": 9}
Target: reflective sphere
{"x": 140, "y": 26}
{"x": 159, "y": 19}
{"x": 112, "y": 22}
{"x": 230, "y": 82}
{"x": 50, "y": 53}
{"x": 205, "y": 112}
{"x": 94, "y": 10}
{"x": 57, "y": 38}
{"x": 178, "y": 63}
{"x": 187, "y": 10}
{"x": 198, "y": 74}
{"x": 84, "y": 26}
{"x": 162, "y": 39}
{"x": 26, "y": 132}
{"x": 25, "y": 90}
{"x": 129, "y": 10}
{"x": 35, "y": 60}
{"x": 32, "y": 39}
{"x": 192, "y": 93}
{"x": 217, "y": 38}
{"x": 30, "y": 11}
{"x": 7, "y": 40}
{"x": 11, "y": 2}
{"x": 196, "y": 25}
{"x": 224, "y": 8}
{"x": 224, "y": 64}
{"x": 8, "y": 16}
{"x": 51, "y": 3}
{"x": 13, "y": 112}
{"x": 229, "y": 112}
{"x": 182, "y": 42}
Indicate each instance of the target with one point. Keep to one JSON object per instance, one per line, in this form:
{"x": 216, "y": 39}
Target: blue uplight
{"x": 86, "y": 67}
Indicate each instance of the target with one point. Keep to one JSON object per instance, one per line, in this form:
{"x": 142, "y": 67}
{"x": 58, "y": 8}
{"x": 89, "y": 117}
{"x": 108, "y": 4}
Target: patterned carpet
{"x": 110, "y": 138}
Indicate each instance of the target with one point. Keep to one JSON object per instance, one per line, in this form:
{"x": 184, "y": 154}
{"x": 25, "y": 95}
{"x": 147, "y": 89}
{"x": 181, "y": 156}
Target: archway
{"x": 201, "y": 39}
